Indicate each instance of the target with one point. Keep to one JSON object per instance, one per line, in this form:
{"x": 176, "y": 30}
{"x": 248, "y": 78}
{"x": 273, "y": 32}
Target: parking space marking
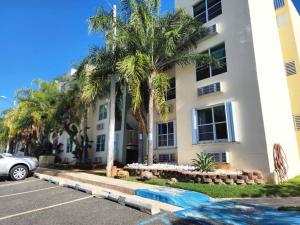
{"x": 44, "y": 208}
{"x": 17, "y": 183}
{"x": 27, "y": 192}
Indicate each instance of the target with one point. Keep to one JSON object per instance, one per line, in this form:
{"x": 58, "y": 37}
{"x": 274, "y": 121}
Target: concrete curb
{"x": 120, "y": 198}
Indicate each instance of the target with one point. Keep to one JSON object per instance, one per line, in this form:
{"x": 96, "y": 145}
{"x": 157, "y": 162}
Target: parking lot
{"x": 41, "y": 203}
{"x": 37, "y": 202}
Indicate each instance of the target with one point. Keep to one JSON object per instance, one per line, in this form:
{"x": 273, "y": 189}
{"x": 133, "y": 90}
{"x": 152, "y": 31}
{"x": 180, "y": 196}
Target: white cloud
{"x": 3, "y": 97}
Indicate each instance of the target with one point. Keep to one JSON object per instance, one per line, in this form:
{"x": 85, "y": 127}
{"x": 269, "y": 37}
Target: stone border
{"x": 244, "y": 178}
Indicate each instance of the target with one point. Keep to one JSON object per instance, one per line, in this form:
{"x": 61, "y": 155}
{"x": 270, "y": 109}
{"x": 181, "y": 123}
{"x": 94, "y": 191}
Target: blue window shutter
{"x": 194, "y": 127}
{"x": 231, "y": 122}
{"x": 175, "y": 133}
{"x": 155, "y": 135}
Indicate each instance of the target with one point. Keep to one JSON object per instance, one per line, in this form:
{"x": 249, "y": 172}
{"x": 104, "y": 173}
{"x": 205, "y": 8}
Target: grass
{"x": 289, "y": 189}
{"x": 289, "y": 208}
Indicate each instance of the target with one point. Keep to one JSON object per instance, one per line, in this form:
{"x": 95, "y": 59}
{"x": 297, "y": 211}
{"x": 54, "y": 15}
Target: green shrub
{"x": 204, "y": 162}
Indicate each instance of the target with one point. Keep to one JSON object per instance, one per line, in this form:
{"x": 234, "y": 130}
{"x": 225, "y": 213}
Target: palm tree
{"x": 106, "y": 22}
{"x": 97, "y": 78}
{"x": 155, "y": 44}
{"x": 31, "y": 120}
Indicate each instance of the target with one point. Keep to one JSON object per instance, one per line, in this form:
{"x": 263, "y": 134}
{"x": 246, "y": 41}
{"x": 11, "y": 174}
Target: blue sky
{"x": 45, "y": 38}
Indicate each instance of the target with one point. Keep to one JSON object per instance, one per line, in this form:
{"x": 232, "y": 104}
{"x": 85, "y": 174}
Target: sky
{"x": 42, "y": 39}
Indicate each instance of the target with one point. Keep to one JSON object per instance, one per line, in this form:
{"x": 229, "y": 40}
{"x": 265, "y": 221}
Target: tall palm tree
{"x": 97, "y": 79}
{"x": 107, "y": 22}
{"x": 155, "y": 44}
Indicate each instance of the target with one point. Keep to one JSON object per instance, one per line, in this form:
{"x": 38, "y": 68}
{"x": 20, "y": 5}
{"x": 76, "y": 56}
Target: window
{"x": 212, "y": 124}
{"x": 171, "y": 94}
{"x": 69, "y": 145}
{"x": 166, "y": 134}
{"x": 100, "y": 145}
{"x": 103, "y": 112}
{"x": 204, "y": 71}
{"x": 206, "y": 10}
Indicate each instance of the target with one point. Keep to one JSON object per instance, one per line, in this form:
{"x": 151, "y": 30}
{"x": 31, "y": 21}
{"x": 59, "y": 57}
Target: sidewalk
{"x": 192, "y": 205}
{"x": 101, "y": 181}
{"x": 116, "y": 190}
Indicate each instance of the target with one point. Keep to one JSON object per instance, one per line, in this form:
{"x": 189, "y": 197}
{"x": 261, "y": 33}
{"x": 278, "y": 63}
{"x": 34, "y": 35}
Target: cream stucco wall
{"x": 93, "y": 132}
{"x": 290, "y": 43}
{"x": 275, "y": 101}
{"x": 64, "y": 155}
{"x": 246, "y": 30}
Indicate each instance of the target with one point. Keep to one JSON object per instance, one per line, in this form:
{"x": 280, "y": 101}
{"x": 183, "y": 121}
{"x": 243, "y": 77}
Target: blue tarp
{"x": 200, "y": 207}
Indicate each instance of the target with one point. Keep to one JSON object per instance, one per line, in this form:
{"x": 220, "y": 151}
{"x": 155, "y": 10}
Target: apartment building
{"x": 239, "y": 111}
{"x": 235, "y": 112}
{"x": 289, "y": 29}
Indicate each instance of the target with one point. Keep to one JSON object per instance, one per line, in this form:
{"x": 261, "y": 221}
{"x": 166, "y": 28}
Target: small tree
{"x": 204, "y": 162}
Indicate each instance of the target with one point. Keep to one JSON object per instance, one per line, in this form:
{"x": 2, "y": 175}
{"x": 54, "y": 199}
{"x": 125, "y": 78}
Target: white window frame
{"x": 210, "y": 66}
{"x": 103, "y": 115}
{"x": 215, "y": 140}
{"x": 207, "y": 9}
{"x": 99, "y": 144}
{"x": 157, "y": 135}
{"x": 69, "y": 148}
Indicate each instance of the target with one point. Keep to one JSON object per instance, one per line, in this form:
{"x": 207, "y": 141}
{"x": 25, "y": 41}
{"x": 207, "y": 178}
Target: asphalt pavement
{"x": 37, "y": 202}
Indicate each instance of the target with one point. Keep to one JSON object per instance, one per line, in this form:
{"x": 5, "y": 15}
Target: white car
{"x": 17, "y": 168}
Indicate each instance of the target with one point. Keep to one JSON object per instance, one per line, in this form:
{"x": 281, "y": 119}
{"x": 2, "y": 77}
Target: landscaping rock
{"x": 121, "y": 174}
{"x": 198, "y": 180}
{"x": 258, "y": 181}
{"x": 229, "y": 181}
{"x": 232, "y": 176}
{"x": 250, "y": 182}
{"x": 172, "y": 181}
{"x": 257, "y": 173}
{"x": 146, "y": 175}
{"x": 207, "y": 180}
{"x": 240, "y": 182}
{"x": 218, "y": 181}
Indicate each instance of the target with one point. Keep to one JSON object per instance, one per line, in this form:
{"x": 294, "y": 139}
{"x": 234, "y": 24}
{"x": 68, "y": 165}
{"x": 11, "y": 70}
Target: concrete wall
{"x": 254, "y": 62}
{"x": 275, "y": 101}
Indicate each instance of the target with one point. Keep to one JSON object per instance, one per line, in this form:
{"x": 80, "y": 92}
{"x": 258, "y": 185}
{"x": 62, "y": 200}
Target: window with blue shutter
{"x": 214, "y": 124}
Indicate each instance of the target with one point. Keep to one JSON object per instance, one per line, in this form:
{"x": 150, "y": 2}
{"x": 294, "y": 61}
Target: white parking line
{"x": 17, "y": 183}
{"x": 44, "y": 208}
{"x": 27, "y": 192}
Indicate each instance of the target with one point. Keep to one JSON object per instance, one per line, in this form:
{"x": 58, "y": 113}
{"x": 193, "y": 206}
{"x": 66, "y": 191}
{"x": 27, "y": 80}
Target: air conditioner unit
{"x": 290, "y": 68}
{"x": 210, "y": 31}
{"x": 209, "y": 89}
{"x": 98, "y": 160}
{"x": 220, "y": 157}
{"x": 100, "y": 126}
{"x": 171, "y": 108}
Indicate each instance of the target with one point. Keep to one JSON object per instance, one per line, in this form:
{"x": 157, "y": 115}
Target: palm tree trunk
{"x": 140, "y": 146}
{"x": 85, "y": 136}
{"x": 150, "y": 124}
{"x": 112, "y": 118}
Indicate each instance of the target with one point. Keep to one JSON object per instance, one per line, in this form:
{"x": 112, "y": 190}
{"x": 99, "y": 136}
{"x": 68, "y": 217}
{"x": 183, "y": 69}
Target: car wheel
{"x": 19, "y": 172}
